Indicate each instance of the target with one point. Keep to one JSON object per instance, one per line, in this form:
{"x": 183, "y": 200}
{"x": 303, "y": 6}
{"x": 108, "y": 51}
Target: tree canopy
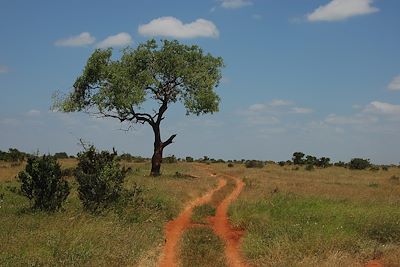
{"x": 170, "y": 73}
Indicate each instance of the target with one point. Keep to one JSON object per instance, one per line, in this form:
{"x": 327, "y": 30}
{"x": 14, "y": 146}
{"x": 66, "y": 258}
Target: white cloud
{"x": 173, "y": 27}
{"x": 280, "y": 102}
{"x": 356, "y": 119}
{"x": 118, "y": 40}
{"x": 382, "y": 108}
{"x": 298, "y": 110}
{"x": 395, "y": 84}
{"x": 235, "y": 3}
{"x": 33, "y": 113}
{"x": 82, "y": 39}
{"x": 341, "y": 10}
{"x": 4, "y": 69}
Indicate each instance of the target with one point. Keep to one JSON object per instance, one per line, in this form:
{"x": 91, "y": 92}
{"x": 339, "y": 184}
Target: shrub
{"x": 374, "y": 168}
{"x": 170, "y": 159}
{"x": 189, "y": 159}
{"x": 340, "y": 164}
{"x": 61, "y": 155}
{"x": 309, "y": 167}
{"x": 42, "y": 182}
{"x": 281, "y": 163}
{"x": 359, "y": 164}
{"x": 100, "y": 178}
{"x": 230, "y": 165}
{"x": 254, "y": 164}
{"x": 385, "y": 168}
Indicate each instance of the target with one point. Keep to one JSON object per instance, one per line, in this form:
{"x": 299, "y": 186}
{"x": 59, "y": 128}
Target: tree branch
{"x": 168, "y": 141}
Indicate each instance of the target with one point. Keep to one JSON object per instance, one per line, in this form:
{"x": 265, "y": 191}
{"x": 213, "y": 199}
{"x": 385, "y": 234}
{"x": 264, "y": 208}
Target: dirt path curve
{"x": 225, "y": 231}
{"x": 175, "y": 228}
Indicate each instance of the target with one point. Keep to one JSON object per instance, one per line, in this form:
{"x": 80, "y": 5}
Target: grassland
{"x": 325, "y": 217}
{"x": 291, "y": 217}
{"x": 129, "y": 234}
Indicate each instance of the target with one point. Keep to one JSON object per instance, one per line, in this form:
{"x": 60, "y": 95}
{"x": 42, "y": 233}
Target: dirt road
{"x": 220, "y": 225}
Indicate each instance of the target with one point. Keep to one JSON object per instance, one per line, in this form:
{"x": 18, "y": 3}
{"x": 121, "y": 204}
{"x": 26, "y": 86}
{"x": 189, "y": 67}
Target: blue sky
{"x": 318, "y": 76}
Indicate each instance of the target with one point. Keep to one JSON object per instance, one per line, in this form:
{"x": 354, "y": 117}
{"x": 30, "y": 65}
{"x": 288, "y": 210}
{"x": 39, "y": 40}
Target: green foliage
{"x": 170, "y": 159}
{"x": 13, "y": 155}
{"x": 100, "y": 178}
{"x": 340, "y": 164}
{"x": 42, "y": 182}
{"x": 254, "y": 164}
{"x": 281, "y": 163}
{"x": 189, "y": 159}
{"x": 61, "y": 155}
{"x": 200, "y": 213}
{"x": 146, "y": 71}
{"x": 298, "y": 158}
{"x": 359, "y": 164}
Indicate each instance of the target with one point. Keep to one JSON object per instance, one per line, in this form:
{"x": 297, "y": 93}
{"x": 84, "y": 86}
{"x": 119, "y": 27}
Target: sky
{"x": 317, "y": 76}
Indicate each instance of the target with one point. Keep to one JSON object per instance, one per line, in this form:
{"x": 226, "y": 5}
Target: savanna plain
{"x": 283, "y": 216}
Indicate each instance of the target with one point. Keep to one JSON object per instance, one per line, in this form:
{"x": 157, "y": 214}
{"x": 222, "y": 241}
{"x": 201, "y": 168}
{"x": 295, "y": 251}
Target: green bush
{"x": 100, "y": 178}
{"x": 359, "y": 164}
{"x": 170, "y": 159}
{"x": 254, "y": 164}
{"x": 189, "y": 159}
{"x": 42, "y": 182}
{"x": 230, "y": 165}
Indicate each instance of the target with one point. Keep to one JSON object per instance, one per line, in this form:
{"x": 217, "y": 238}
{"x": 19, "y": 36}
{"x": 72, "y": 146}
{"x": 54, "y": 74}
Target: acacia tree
{"x": 166, "y": 73}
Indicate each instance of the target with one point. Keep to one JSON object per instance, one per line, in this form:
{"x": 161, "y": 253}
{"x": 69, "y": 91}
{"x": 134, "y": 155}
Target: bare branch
{"x": 169, "y": 140}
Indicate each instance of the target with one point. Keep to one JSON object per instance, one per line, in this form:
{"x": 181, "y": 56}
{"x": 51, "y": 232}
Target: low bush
{"x": 189, "y": 159}
{"x": 254, "y": 164}
{"x": 100, "y": 178}
{"x": 170, "y": 159}
{"x": 230, "y": 165}
{"x": 42, "y": 183}
{"x": 309, "y": 167}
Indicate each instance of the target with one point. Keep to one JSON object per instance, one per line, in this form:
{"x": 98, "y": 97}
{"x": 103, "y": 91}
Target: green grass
{"x": 201, "y": 247}
{"x": 287, "y": 228}
{"x": 200, "y": 213}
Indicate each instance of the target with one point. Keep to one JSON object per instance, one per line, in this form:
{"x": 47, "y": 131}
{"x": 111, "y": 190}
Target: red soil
{"x": 225, "y": 231}
{"x": 374, "y": 263}
{"x": 175, "y": 228}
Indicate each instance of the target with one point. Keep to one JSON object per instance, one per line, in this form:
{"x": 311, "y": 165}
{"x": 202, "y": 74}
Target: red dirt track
{"x": 220, "y": 225}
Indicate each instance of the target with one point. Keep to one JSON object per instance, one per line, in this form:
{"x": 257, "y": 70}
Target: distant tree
{"x": 189, "y": 159}
{"x": 323, "y": 162}
{"x": 298, "y": 158}
{"x": 359, "y": 164}
{"x": 166, "y": 73}
{"x": 61, "y": 155}
{"x": 311, "y": 160}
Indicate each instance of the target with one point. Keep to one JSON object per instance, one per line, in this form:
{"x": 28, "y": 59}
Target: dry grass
{"x": 325, "y": 217}
{"x": 124, "y": 236}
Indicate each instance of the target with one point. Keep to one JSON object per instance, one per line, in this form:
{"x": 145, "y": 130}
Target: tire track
{"x": 175, "y": 228}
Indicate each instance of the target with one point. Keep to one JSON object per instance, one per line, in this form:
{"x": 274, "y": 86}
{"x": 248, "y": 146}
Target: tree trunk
{"x": 156, "y": 159}
{"x": 159, "y": 146}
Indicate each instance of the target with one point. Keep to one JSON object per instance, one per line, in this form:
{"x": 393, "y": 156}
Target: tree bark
{"x": 159, "y": 146}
